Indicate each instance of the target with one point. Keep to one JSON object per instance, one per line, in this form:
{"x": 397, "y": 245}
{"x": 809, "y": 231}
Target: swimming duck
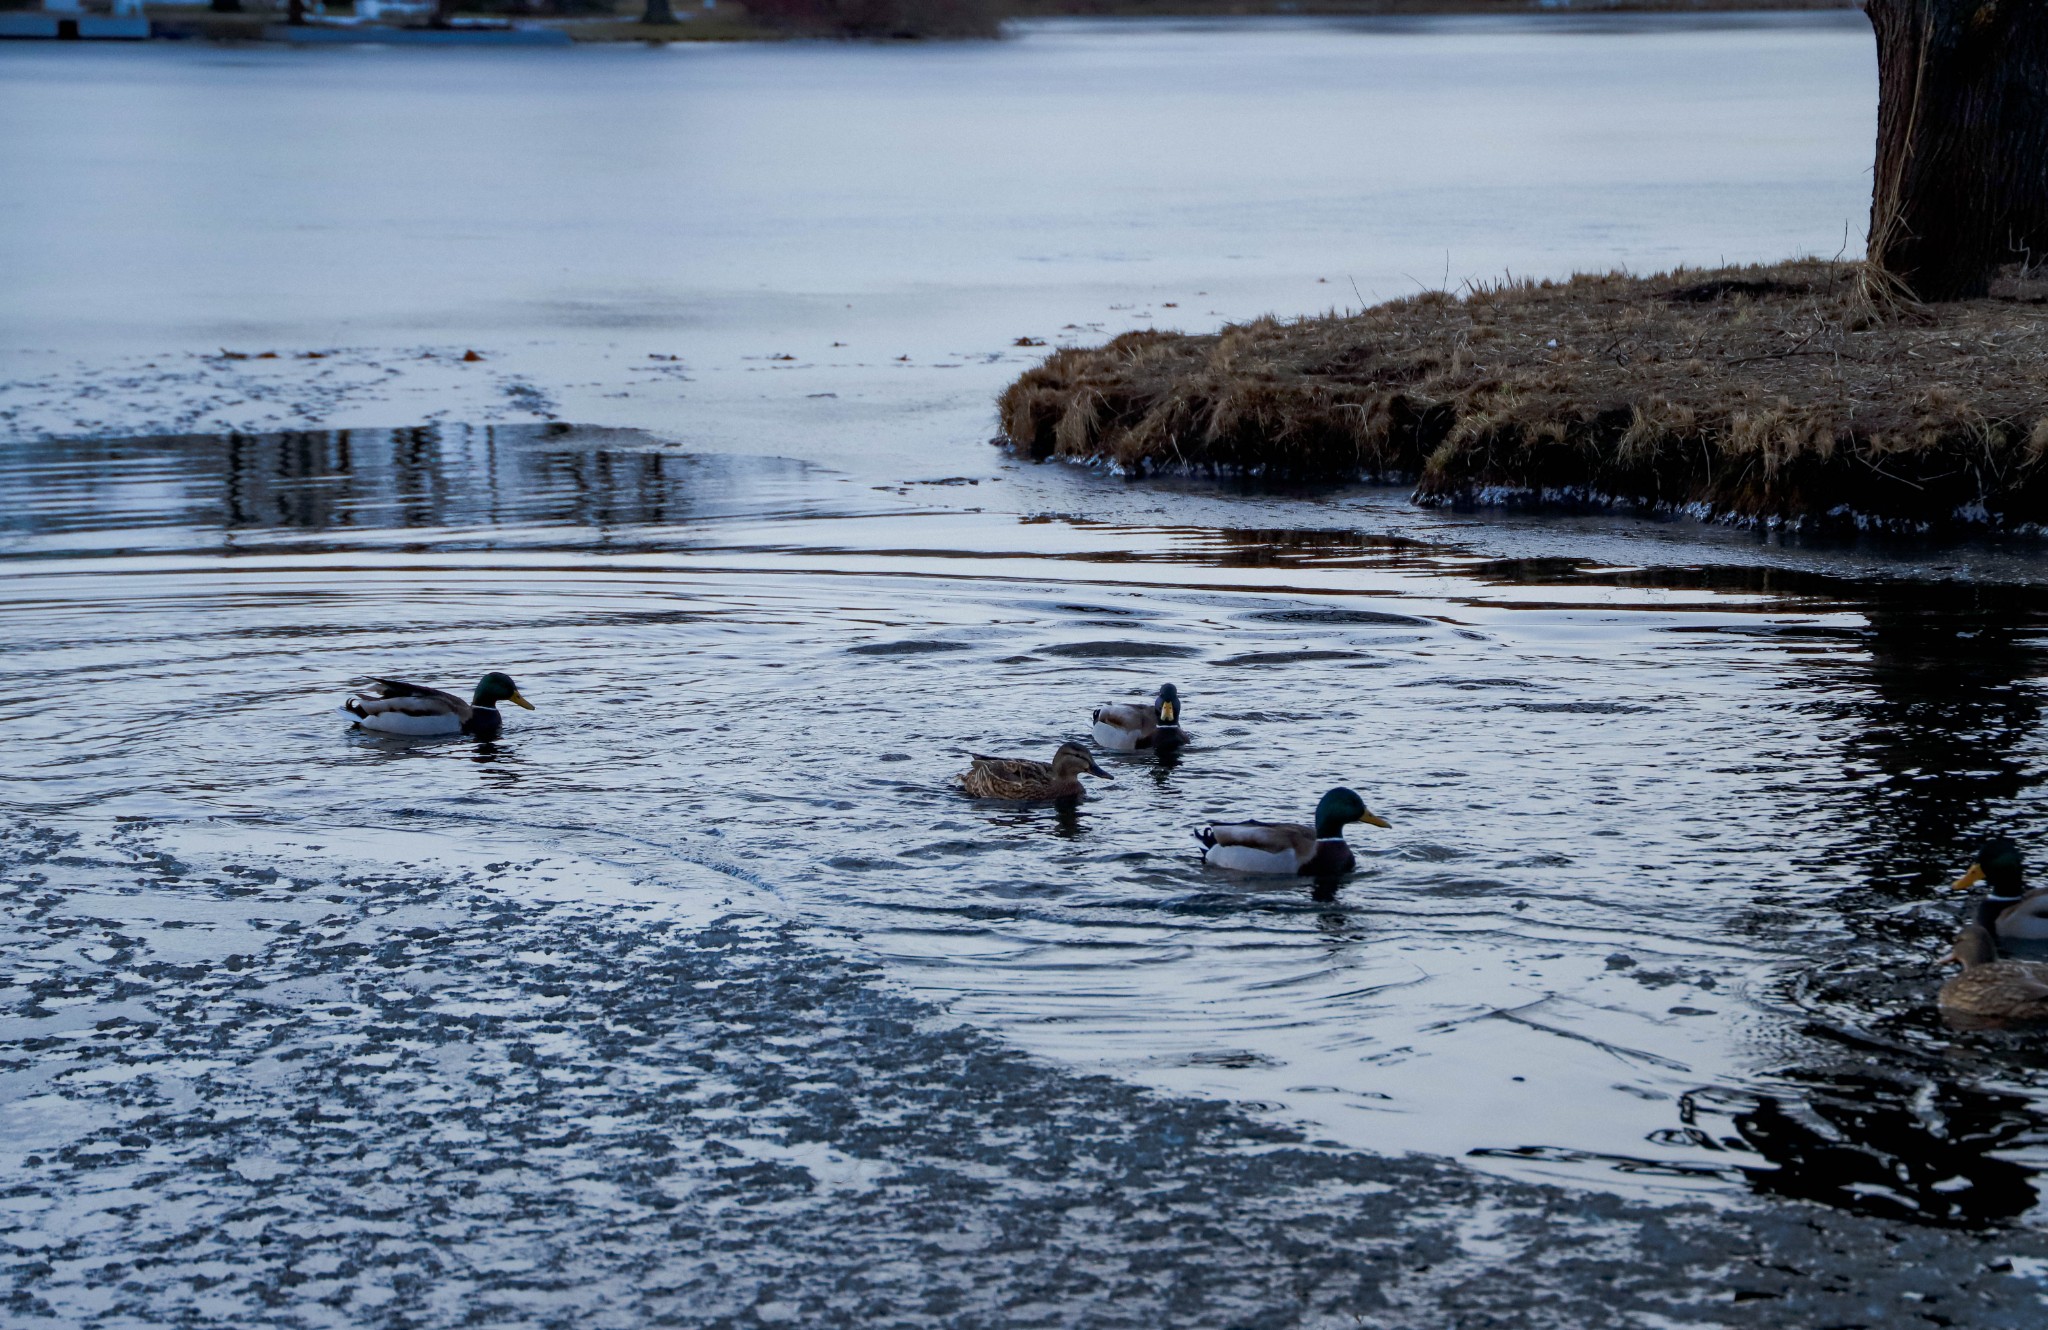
{"x": 1289, "y": 847}
{"x": 1127, "y": 727}
{"x": 1992, "y": 988}
{"x": 390, "y": 706}
{"x": 1023, "y": 778}
{"x": 2007, "y": 911}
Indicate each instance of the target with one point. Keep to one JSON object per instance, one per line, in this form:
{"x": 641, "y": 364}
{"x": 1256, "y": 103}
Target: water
{"x": 1672, "y": 806}
{"x": 1667, "y": 839}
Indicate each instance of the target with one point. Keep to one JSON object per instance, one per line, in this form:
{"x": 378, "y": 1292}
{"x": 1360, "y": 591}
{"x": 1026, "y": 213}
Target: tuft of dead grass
{"x": 1800, "y": 392}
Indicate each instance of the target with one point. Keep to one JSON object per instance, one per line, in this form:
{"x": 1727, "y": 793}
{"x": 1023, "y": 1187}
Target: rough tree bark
{"x": 1962, "y": 141}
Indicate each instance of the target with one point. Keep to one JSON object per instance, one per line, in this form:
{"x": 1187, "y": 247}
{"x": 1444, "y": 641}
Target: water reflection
{"x": 1939, "y": 711}
{"x": 1924, "y": 1150}
{"x": 1901, "y": 1149}
{"x": 1952, "y": 706}
{"x": 429, "y": 477}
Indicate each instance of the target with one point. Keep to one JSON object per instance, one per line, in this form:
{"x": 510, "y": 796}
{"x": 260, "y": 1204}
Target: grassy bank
{"x": 1778, "y": 393}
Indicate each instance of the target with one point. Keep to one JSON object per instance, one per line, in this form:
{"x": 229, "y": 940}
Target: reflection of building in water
{"x": 300, "y": 480}
{"x": 313, "y": 480}
{"x": 448, "y": 478}
{"x": 422, "y": 478}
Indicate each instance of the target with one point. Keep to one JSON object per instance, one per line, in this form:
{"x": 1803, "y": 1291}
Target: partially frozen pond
{"x": 704, "y": 953}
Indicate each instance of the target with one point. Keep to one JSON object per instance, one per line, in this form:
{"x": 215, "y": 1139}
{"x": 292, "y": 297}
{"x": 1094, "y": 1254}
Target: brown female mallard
{"x": 1992, "y": 989}
{"x": 1023, "y": 778}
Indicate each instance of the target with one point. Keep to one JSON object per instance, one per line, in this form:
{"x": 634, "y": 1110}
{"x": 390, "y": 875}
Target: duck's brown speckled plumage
{"x": 1992, "y": 989}
{"x": 1027, "y": 778}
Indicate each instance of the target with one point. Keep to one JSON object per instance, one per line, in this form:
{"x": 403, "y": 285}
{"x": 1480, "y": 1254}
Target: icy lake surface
{"x": 661, "y": 378}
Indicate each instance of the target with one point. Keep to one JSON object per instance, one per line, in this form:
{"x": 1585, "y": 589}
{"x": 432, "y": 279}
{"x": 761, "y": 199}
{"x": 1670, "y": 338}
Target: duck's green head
{"x": 1999, "y": 864}
{"x": 494, "y": 688}
{"x": 1339, "y": 809}
{"x": 1167, "y": 704}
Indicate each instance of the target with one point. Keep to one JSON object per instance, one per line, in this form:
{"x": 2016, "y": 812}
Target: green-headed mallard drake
{"x": 390, "y": 706}
{"x": 1990, "y": 988}
{"x": 1289, "y": 847}
{"x": 1127, "y": 727}
{"x": 1023, "y": 778}
{"x": 2008, "y": 911}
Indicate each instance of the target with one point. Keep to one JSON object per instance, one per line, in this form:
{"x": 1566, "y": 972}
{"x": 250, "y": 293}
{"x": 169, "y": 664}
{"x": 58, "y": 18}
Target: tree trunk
{"x": 658, "y": 12}
{"x": 1962, "y": 141}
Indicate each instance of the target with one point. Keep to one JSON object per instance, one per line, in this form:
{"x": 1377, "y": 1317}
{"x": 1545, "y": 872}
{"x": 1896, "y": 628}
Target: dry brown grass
{"x": 1797, "y": 392}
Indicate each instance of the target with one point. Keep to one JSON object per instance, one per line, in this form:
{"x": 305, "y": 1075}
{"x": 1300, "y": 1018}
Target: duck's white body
{"x": 1114, "y": 738}
{"x": 1247, "y": 859}
{"x": 1269, "y": 847}
{"x": 407, "y": 723}
{"x": 2026, "y": 919}
{"x": 1121, "y": 735}
{"x": 1127, "y": 727}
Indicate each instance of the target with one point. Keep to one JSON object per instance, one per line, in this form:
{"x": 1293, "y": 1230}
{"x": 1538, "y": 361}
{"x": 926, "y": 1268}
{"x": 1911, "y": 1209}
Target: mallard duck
{"x": 1127, "y": 727}
{"x": 1023, "y": 778}
{"x": 2008, "y": 910}
{"x": 390, "y": 706}
{"x": 1992, "y": 988}
{"x": 1289, "y": 847}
